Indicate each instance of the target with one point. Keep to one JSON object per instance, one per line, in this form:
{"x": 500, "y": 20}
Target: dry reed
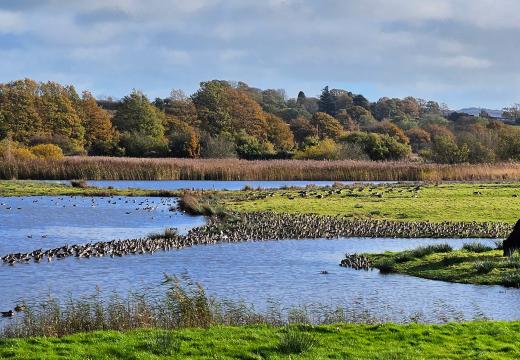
{"x": 106, "y": 168}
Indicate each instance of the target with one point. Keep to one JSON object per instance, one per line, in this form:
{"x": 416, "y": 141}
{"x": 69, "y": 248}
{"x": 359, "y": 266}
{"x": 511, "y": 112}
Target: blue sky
{"x": 461, "y": 52}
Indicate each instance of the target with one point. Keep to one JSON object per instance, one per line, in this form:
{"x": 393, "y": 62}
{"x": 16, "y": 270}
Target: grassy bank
{"x": 474, "y": 264}
{"x": 105, "y": 168}
{"x": 479, "y": 202}
{"x": 29, "y": 188}
{"x": 482, "y": 340}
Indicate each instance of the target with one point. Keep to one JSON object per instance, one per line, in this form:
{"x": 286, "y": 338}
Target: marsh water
{"x": 285, "y": 272}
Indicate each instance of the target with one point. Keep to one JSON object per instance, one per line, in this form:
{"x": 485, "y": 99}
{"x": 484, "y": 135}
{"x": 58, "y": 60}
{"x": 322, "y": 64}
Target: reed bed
{"x": 185, "y": 304}
{"x": 107, "y": 168}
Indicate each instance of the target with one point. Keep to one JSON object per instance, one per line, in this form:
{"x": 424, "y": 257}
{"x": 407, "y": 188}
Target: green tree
{"x": 326, "y": 103}
{"x": 211, "y": 104}
{"x": 137, "y": 115}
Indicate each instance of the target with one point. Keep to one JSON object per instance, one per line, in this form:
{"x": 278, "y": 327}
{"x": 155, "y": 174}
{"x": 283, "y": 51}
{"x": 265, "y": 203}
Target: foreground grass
{"x": 481, "y": 202}
{"x": 482, "y": 340}
{"x": 483, "y": 267}
{"x": 33, "y": 188}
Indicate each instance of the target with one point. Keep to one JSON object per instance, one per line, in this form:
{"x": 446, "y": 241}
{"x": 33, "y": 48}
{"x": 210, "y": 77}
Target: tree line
{"x": 225, "y": 119}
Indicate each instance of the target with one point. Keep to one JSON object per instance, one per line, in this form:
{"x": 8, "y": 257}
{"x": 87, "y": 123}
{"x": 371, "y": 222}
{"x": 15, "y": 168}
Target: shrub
{"x": 476, "y": 247}
{"x": 139, "y": 144}
{"x": 484, "y": 267}
{"x": 250, "y": 148}
{"x": 47, "y": 151}
{"x": 22, "y": 154}
{"x": 324, "y": 150}
{"x": 295, "y": 341}
{"x": 219, "y": 147}
{"x": 423, "y": 251}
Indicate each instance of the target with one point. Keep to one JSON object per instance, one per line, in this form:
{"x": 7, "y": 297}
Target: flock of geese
{"x": 265, "y": 226}
{"x": 356, "y": 262}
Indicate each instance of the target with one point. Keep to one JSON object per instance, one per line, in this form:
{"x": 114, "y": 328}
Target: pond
{"x": 287, "y": 272}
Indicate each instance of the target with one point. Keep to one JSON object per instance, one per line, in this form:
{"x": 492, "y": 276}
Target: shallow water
{"x": 287, "y": 272}
{"x": 28, "y": 223}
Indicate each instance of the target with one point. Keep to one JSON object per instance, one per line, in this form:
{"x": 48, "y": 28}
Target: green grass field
{"x": 485, "y": 267}
{"x": 474, "y": 340}
{"x": 480, "y": 202}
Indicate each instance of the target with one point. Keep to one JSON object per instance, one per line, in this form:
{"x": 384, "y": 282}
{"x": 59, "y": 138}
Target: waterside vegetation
{"x": 473, "y": 264}
{"x": 113, "y": 168}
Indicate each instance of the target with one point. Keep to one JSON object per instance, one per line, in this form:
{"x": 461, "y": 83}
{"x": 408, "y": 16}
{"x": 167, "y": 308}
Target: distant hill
{"x": 475, "y": 111}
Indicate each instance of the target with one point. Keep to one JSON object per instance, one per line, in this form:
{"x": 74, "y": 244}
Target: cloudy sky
{"x": 461, "y": 52}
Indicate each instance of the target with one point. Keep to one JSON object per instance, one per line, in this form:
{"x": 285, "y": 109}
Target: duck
{"x": 9, "y": 313}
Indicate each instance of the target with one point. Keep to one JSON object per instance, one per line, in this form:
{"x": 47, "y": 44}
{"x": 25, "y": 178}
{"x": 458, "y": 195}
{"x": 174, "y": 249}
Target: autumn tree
{"x": 99, "y": 132}
{"x": 279, "y": 133}
{"x": 184, "y": 140}
{"x": 302, "y": 128}
{"x": 58, "y": 114}
{"x": 19, "y": 115}
{"x": 326, "y": 126}
{"x": 419, "y": 138}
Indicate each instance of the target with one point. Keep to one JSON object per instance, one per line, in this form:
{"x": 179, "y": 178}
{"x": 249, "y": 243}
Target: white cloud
{"x": 10, "y": 22}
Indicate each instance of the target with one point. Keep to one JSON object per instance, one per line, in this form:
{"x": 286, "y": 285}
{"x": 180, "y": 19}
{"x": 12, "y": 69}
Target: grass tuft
{"x": 295, "y": 341}
{"x": 476, "y": 247}
{"x": 484, "y": 267}
{"x": 423, "y": 251}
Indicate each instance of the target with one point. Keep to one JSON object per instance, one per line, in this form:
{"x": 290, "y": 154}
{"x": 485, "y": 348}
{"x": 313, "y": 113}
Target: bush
{"x": 476, "y": 247}
{"x": 219, "y": 147}
{"x": 324, "y": 150}
{"x": 22, "y": 154}
{"x": 295, "y": 341}
{"x": 250, "y": 148}
{"x": 379, "y": 146}
{"x": 141, "y": 145}
{"x": 47, "y": 151}
{"x": 484, "y": 267}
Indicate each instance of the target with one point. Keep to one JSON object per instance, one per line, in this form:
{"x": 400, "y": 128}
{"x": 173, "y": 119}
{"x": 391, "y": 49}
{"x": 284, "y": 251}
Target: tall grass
{"x": 183, "y": 305}
{"x": 106, "y": 168}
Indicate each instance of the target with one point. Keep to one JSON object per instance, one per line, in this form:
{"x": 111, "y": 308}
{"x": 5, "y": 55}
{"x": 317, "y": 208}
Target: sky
{"x": 459, "y": 52}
